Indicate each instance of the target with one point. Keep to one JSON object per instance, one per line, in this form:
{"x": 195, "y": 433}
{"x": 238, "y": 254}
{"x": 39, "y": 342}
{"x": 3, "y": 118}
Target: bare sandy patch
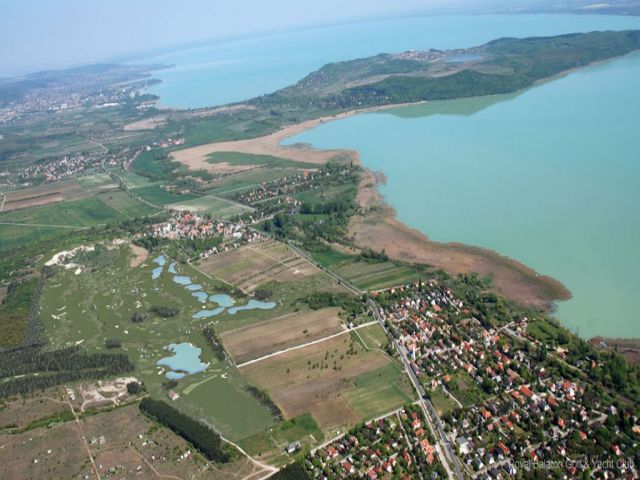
{"x": 140, "y": 254}
{"x": 280, "y": 333}
{"x": 146, "y": 124}
{"x": 196, "y": 157}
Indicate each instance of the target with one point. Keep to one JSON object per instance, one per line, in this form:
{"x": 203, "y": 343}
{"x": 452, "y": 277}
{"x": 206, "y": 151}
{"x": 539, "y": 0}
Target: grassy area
{"x": 270, "y": 445}
{"x": 92, "y": 307}
{"x": 374, "y": 337}
{"x": 125, "y": 204}
{"x": 132, "y": 179}
{"x": 150, "y": 163}
{"x": 77, "y": 213}
{"x": 237, "y": 158}
{"x": 95, "y": 180}
{"x": 379, "y": 391}
{"x": 209, "y": 203}
{"x": 158, "y": 196}
{"x": 241, "y": 181}
{"x": 374, "y": 276}
{"x": 442, "y": 402}
{"x": 16, "y": 235}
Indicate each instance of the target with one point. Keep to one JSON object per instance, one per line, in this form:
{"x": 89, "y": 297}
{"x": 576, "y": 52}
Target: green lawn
{"x": 379, "y": 391}
{"x": 237, "y": 158}
{"x": 158, "y": 196}
{"x": 442, "y": 402}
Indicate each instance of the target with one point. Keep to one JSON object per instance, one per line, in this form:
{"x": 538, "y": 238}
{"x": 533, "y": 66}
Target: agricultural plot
{"x": 132, "y": 179}
{"x": 125, "y": 204}
{"x": 253, "y": 265}
{"x": 44, "y": 195}
{"x": 325, "y": 380}
{"x": 77, "y": 213}
{"x": 90, "y": 308}
{"x": 15, "y": 235}
{"x": 96, "y": 180}
{"x": 242, "y": 181}
{"x": 158, "y": 196}
{"x": 218, "y": 206}
{"x": 268, "y": 336}
{"x": 375, "y": 276}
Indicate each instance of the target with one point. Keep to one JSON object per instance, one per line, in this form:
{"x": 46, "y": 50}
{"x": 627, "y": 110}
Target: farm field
{"x": 252, "y": 265}
{"x": 125, "y": 204}
{"x": 156, "y": 195}
{"x": 241, "y": 181}
{"x": 326, "y": 381}
{"x": 44, "y": 194}
{"x": 77, "y": 213}
{"x": 132, "y": 179}
{"x": 268, "y": 336}
{"x": 122, "y": 439}
{"x": 209, "y": 203}
{"x": 15, "y": 235}
{"x": 375, "y": 276}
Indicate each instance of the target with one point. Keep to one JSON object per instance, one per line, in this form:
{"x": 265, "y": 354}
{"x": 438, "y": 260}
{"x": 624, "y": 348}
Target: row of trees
{"x": 198, "y": 434}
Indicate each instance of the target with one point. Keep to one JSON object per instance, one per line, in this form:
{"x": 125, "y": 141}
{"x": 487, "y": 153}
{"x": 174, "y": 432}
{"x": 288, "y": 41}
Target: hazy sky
{"x": 37, "y": 34}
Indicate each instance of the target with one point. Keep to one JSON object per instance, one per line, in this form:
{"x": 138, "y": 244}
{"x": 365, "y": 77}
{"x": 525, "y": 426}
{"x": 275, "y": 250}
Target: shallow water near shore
{"x": 549, "y": 177}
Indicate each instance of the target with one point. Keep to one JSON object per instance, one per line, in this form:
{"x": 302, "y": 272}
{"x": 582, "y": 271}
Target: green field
{"x": 379, "y": 391}
{"x": 273, "y": 442}
{"x": 17, "y": 235}
{"x": 442, "y": 402}
{"x": 125, "y": 204}
{"x": 209, "y": 203}
{"x": 132, "y": 179}
{"x": 77, "y": 213}
{"x": 90, "y": 308}
{"x": 242, "y": 181}
{"x": 373, "y": 337}
{"x": 156, "y": 195}
{"x": 374, "y": 276}
{"x": 319, "y": 195}
{"x": 95, "y": 180}
{"x": 237, "y": 158}
{"x": 147, "y": 164}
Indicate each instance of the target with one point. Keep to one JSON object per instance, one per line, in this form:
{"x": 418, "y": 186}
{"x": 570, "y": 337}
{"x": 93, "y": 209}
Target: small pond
{"x": 184, "y": 361}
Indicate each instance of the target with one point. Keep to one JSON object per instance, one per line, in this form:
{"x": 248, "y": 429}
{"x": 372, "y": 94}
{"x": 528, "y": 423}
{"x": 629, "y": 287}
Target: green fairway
{"x": 237, "y": 158}
{"x": 379, "y": 391}
{"x": 77, "y": 213}
{"x": 208, "y": 203}
{"x": 158, "y": 196}
{"x": 89, "y": 308}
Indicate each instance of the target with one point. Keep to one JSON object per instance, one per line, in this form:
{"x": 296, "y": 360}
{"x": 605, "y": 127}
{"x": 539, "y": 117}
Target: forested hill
{"x": 501, "y": 66}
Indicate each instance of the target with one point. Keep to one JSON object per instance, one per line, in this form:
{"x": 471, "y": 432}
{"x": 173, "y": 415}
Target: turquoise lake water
{"x": 233, "y": 71}
{"x": 185, "y": 358}
{"x": 549, "y": 177}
